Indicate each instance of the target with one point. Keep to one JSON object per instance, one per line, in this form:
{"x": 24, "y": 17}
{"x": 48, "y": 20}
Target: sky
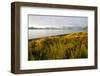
{"x": 57, "y": 21}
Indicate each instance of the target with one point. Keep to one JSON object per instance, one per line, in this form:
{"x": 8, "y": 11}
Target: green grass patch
{"x": 70, "y": 46}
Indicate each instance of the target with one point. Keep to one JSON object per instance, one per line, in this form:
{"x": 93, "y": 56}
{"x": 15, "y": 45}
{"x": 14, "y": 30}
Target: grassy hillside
{"x": 70, "y": 46}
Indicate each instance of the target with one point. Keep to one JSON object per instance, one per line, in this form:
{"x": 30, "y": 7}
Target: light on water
{"x": 44, "y": 33}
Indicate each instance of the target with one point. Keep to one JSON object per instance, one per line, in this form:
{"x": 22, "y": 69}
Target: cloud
{"x": 57, "y": 21}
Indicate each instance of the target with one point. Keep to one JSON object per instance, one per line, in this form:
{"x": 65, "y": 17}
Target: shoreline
{"x": 51, "y": 36}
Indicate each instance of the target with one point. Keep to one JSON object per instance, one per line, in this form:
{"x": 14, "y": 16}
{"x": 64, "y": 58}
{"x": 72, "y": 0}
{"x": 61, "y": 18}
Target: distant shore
{"x": 46, "y": 37}
{"x": 51, "y": 36}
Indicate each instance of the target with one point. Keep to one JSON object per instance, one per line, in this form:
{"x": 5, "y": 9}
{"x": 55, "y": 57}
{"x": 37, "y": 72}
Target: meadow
{"x": 68, "y": 46}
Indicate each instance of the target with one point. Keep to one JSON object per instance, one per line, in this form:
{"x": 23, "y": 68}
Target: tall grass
{"x": 69, "y": 46}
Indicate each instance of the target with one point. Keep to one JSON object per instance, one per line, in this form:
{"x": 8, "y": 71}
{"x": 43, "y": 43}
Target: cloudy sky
{"x": 57, "y": 21}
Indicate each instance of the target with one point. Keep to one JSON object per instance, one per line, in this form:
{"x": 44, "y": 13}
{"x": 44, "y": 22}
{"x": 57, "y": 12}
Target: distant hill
{"x": 63, "y": 27}
{"x": 85, "y": 28}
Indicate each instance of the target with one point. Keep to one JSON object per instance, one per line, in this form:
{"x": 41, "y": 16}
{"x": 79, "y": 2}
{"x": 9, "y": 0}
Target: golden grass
{"x": 71, "y": 46}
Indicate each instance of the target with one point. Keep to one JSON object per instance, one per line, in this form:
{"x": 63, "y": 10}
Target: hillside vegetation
{"x": 70, "y": 46}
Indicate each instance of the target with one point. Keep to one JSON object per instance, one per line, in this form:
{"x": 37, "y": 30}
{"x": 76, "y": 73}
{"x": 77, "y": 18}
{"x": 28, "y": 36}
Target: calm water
{"x": 45, "y": 32}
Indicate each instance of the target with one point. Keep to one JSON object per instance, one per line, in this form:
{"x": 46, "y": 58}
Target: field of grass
{"x": 69, "y": 46}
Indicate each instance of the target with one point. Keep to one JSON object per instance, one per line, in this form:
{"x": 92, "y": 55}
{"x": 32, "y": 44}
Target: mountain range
{"x": 63, "y": 27}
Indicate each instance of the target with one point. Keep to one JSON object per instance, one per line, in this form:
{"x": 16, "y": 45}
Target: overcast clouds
{"x": 57, "y": 21}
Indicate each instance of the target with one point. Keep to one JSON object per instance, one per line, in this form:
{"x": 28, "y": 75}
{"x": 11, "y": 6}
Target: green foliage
{"x": 69, "y": 46}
